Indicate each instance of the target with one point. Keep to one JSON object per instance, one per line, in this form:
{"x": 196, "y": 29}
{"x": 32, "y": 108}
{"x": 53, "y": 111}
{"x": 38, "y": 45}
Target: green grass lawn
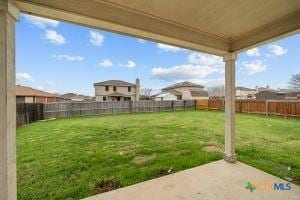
{"x": 72, "y": 158}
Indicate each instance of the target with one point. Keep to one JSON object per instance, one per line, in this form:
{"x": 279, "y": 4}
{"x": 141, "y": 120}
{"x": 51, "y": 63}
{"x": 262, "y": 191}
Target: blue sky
{"x": 62, "y": 57}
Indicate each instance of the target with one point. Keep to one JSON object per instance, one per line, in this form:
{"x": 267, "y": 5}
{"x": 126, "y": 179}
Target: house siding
{"x": 243, "y": 94}
{"x": 100, "y": 92}
{"x": 269, "y": 95}
{"x": 29, "y": 100}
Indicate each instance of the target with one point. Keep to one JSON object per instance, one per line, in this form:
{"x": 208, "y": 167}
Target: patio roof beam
{"x": 126, "y": 21}
{"x": 281, "y": 28}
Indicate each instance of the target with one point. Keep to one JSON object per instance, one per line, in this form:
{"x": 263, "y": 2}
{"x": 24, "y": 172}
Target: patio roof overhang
{"x": 222, "y": 28}
{"x": 216, "y": 27}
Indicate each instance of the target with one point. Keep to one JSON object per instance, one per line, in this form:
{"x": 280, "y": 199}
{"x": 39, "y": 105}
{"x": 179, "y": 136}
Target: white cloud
{"x": 40, "y": 21}
{"x": 169, "y": 48}
{"x": 253, "y": 67}
{"x": 130, "y": 64}
{"x": 24, "y": 78}
{"x": 204, "y": 59}
{"x": 54, "y": 37}
{"x": 49, "y": 83}
{"x": 214, "y": 82}
{"x": 27, "y": 80}
{"x": 96, "y": 38}
{"x": 68, "y": 57}
{"x": 105, "y": 63}
{"x": 208, "y": 82}
{"x": 276, "y": 50}
{"x": 141, "y": 41}
{"x": 253, "y": 52}
{"x": 198, "y": 68}
{"x": 184, "y": 72}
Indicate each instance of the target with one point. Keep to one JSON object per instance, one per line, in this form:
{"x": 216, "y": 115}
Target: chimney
{"x": 137, "y": 89}
{"x": 256, "y": 88}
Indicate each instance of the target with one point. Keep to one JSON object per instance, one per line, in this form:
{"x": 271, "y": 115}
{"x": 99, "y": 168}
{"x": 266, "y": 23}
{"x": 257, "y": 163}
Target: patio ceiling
{"x": 212, "y": 26}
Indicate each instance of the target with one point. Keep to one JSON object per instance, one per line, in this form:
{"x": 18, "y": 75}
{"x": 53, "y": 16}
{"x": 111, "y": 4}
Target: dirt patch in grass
{"x": 212, "y": 146}
{"x": 181, "y": 152}
{"x": 158, "y": 136}
{"x": 142, "y": 159}
{"x": 107, "y": 185}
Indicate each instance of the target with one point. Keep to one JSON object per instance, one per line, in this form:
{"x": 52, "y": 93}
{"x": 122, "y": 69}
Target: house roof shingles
{"x": 114, "y": 83}
{"x": 244, "y": 88}
{"x": 175, "y": 92}
{"x": 30, "y": 92}
{"x": 183, "y": 84}
{"x": 75, "y": 96}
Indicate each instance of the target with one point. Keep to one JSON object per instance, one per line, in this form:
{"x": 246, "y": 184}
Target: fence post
{"x": 183, "y": 104}
{"x": 93, "y": 111}
{"x": 159, "y": 106}
{"x": 267, "y": 108}
{"x": 172, "y": 105}
{"x": 195, "y": 104}
{"x": 112, "y": 108}
{"x": 130, "y": 106}
{"x": 241, "y": 108}
{"x": 42, "y": 112}
{"x": 68, "y": 109}
{"x": 223, "y": 105}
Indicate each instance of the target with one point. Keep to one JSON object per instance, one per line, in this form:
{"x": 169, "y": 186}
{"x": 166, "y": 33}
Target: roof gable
{"x": 114, "y": 83}
{"x": 183, "y": 84}
{"x": 28, "y": 91}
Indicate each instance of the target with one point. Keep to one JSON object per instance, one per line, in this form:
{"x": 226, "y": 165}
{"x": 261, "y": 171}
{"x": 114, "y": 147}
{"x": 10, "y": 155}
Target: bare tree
{"x": 217, "y": 91}
{"x": 145, "y": 93}
{"x": 295, "y": 81}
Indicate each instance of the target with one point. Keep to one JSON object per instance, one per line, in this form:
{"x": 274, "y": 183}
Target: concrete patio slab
{"x": 213, "y": 181}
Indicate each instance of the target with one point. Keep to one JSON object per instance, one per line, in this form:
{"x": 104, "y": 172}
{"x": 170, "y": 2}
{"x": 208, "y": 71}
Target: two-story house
{"x": 244, "y": 93}
{"x": 117, "y": 90}
{"x": 186, "y": 91}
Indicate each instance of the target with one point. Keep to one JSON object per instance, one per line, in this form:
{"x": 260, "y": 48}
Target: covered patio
{"x": 222, "y": 28}
{"x": 213, "y": 181}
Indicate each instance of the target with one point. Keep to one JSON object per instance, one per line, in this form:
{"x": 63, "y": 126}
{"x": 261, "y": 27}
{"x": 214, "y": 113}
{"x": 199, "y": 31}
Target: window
{"x": 104, "y": 98}
{"x": 115, "y": 88}
{"x": 129, "y": 89}
{"x": 107, "y": 88}
{"x": 127, "y": 98}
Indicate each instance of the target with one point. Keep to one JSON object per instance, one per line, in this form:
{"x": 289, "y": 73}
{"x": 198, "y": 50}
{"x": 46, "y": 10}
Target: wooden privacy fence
{"x": 69, "y": 109}
{"x": 288, "y": 108}
{"x": 29, "y": 112}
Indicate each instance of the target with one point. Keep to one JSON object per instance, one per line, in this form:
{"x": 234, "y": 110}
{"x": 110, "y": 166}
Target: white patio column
{"x": 8, "y": 182}
{"x": 229, "y": 153}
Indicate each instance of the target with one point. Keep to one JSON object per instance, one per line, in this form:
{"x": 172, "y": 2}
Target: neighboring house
{"x": 187, "y": 91}
{"x": 269, "y": 94}
{"x": 244, "y": 93}
{"x": 117, "y": 90}
{"x": 30, "y": 95}
{"x": 76, "y": 97}
{"x": 293, "y": 95}
{"x": 165, "y": 96}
